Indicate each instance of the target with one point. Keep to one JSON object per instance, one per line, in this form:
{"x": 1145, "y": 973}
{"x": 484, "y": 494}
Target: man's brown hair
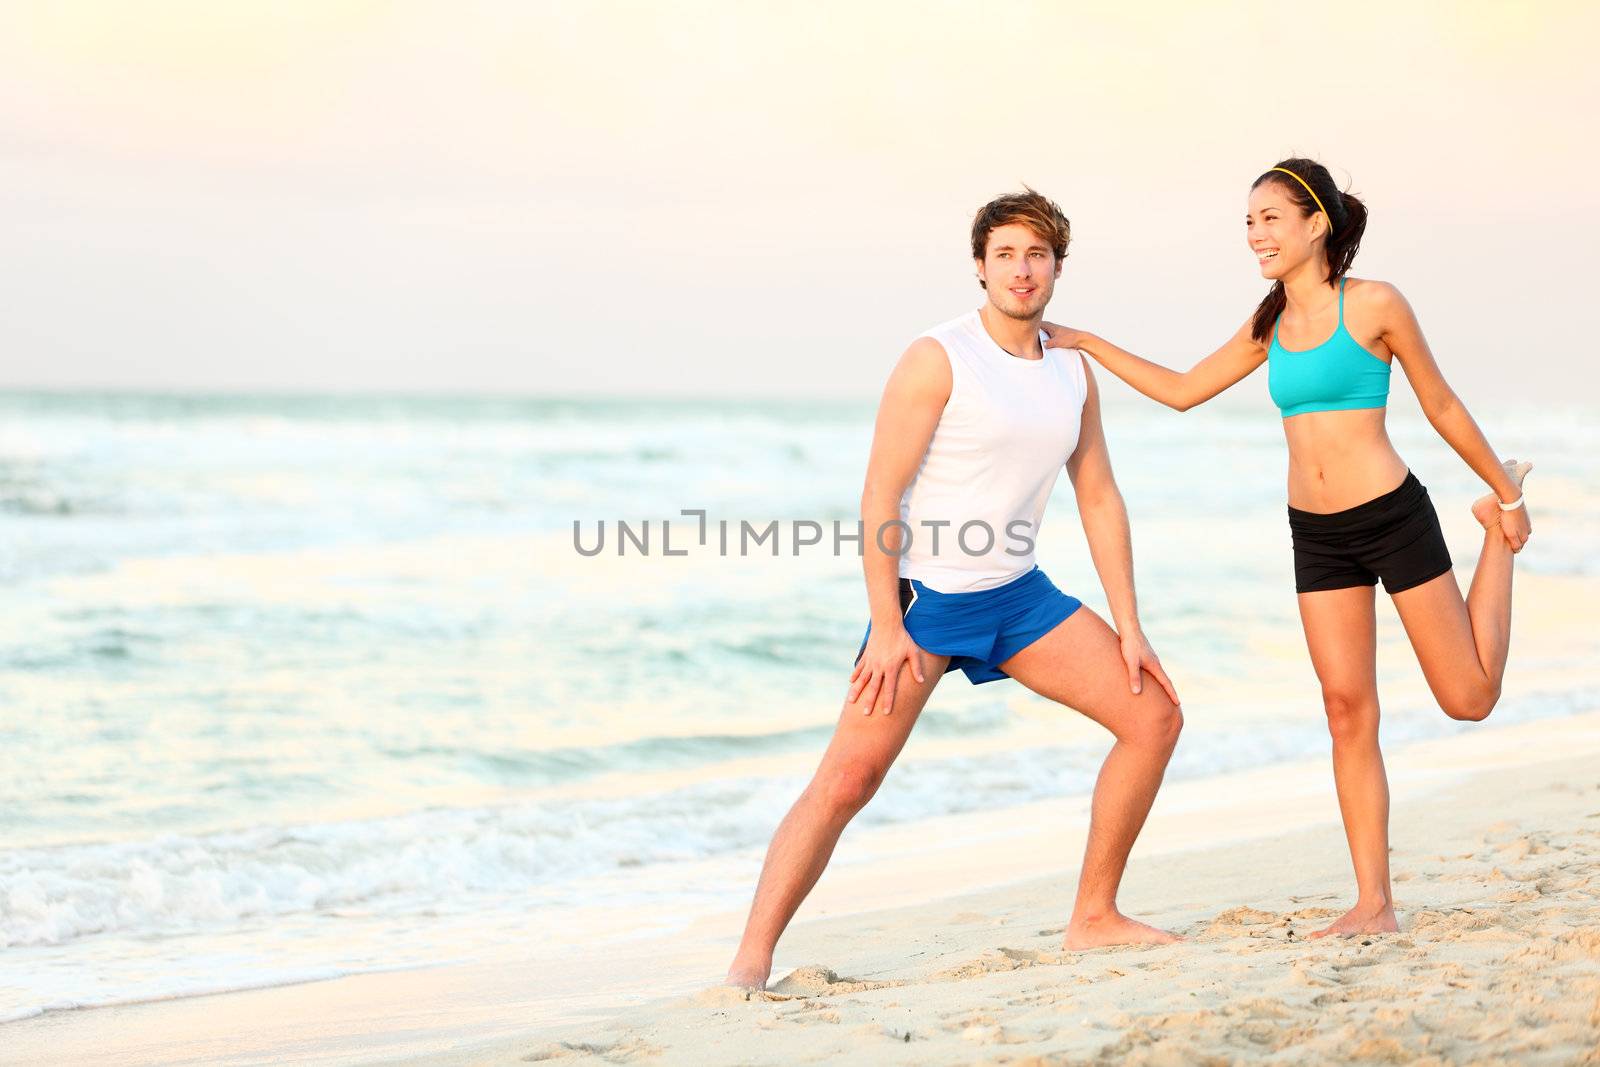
{"x": 1034, "y": 210}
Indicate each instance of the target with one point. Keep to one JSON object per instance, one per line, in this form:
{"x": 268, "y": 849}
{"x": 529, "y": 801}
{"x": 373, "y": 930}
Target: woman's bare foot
{"x": 749, "y": 976}
{"x": 1486, "y": 509}
{"x": 1113, "y": 928}
{"x": 1363, "y": 919}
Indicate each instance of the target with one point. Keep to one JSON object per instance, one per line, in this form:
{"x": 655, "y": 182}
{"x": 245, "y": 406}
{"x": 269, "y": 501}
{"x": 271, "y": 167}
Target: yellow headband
{"x": 1302, "y": 181}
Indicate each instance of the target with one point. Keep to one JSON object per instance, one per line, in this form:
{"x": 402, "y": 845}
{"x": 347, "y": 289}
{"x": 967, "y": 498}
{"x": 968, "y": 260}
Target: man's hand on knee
{"x": 1139, "y": 657}
{"x": 877, "y": 672}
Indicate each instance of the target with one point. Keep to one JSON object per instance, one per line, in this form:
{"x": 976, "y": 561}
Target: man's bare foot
{"x": 1113, "y": 928}
{"x": 1486, "y": 509}
{"x": 747, "y": 976}
{"x": 1363, "y": 919}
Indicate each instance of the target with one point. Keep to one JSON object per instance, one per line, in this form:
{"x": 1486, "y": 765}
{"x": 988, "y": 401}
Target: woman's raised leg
{"x": 1463, "y": 645}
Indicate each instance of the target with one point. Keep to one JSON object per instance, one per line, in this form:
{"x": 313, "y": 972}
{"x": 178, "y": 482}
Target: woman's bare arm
{"x": 1181, "y": 390}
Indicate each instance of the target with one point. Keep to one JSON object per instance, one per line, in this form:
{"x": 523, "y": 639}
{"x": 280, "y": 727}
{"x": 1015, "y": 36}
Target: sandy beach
{"x": 1496, "y": 852}
{"x": 1498, "y": 960}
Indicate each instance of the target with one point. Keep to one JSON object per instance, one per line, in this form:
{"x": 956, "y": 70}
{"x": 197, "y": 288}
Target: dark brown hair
{"x": 1347, "y": 221}
{"x": 1034, "y": 210}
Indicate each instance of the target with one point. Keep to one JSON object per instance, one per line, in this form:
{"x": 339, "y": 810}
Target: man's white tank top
{"x": 974, "y": 506}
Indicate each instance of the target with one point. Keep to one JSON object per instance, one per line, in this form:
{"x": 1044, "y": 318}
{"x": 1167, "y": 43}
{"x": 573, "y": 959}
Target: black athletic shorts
{"x": 1395, "y": 537}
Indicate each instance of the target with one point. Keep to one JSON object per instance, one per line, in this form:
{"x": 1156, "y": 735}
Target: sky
{"x": 737, "y": 199}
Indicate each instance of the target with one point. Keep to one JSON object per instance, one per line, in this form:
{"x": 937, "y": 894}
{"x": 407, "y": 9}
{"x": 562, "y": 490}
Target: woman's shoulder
{"x": 1371, "y": 293}
{"x": 1374, "y": 308}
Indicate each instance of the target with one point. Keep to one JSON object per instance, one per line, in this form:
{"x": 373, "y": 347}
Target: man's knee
{"x": 845, "y": 789}
{"x": 1155, "y": 723}
{"x": 1169, "y": 724}
{"x": 1352, "y": 715}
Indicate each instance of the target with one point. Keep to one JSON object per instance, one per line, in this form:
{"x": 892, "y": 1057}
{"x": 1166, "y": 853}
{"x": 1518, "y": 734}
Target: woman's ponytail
{"x": 1267, "y": 312}
{"x": 1344, "y": 242}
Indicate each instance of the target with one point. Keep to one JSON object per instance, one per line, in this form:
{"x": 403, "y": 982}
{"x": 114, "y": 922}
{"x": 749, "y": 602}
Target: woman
{"x": 1356, "y": 514}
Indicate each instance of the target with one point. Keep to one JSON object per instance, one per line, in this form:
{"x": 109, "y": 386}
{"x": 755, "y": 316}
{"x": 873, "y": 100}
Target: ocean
{"x": 302, "y": 686}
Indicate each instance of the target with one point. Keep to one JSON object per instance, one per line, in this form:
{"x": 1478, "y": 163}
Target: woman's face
{"x": 1281, "y": 237}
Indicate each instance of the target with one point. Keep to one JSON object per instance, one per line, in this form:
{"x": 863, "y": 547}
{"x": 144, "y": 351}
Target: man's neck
{"x": 1020, "y": 337}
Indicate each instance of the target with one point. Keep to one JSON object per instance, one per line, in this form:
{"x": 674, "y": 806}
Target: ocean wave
{"x": 151, "y": 990}
{"x": 422, "y": 862}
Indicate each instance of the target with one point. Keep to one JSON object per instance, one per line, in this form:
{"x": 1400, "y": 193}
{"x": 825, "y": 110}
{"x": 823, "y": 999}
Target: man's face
{"x": 1019, "y": 270}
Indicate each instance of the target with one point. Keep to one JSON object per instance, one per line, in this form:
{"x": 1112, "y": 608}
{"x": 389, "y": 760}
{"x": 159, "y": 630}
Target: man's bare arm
{"x": 1105, "y": 527}
{"x": 913, "y": 400}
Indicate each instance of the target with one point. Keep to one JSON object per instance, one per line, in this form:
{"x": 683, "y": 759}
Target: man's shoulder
{"x": 927, "y": 355}
{"x": 923, "y": 373}
{"x": 946, "y": 330}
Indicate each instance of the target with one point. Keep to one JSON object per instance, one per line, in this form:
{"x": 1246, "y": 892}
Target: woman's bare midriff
{"x": 1338, "y": 459}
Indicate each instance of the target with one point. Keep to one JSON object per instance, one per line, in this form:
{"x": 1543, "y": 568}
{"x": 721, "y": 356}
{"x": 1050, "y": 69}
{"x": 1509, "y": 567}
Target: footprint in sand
{"x": 1446, "y": 972}
{"x": 1005, "y": 959}
{"x": 1246, "y": 921}
{"x": 1529, "y": 845}
{"x": 808, "y": 1014}
{"x": 1458, "y": 924}
{"x": 1564, "y": 947}
{"x": 1560, "y": 881}
{"x": 1355, "y": 994}
{"x": 1307, "y": 973}
{"x": 1352, "y": 962}
{"x": 629, "y": 1051}
{"x": 1520, "y": 896}
{"x": 1258, "y": 1008}
{"x": 821, "y": 982}
{"x": 1240, "y": 921}
{"x": 798, "y": 984}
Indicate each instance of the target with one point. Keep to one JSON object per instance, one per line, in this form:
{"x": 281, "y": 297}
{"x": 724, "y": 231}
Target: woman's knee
{"x": 1352, "y": 714}
{"x": 1472, "y": 703}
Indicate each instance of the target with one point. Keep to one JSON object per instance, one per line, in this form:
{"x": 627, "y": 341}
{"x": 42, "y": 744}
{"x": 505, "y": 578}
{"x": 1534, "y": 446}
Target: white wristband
{"x": 1513, "y": 506}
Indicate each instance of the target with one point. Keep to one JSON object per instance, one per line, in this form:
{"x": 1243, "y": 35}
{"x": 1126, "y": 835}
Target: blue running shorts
{"x": 981, "y": 630}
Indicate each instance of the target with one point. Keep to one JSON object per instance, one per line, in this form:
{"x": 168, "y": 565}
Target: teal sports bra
{"x": 1337, "y": 375}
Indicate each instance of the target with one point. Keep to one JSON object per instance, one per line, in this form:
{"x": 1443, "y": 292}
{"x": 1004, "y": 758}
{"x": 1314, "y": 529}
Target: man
{"x": 976, "y": 421}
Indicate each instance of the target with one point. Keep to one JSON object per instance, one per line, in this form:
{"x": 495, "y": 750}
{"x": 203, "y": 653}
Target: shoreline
{"x": 1497, "y": 880}
{"x": 946, "y": 900}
